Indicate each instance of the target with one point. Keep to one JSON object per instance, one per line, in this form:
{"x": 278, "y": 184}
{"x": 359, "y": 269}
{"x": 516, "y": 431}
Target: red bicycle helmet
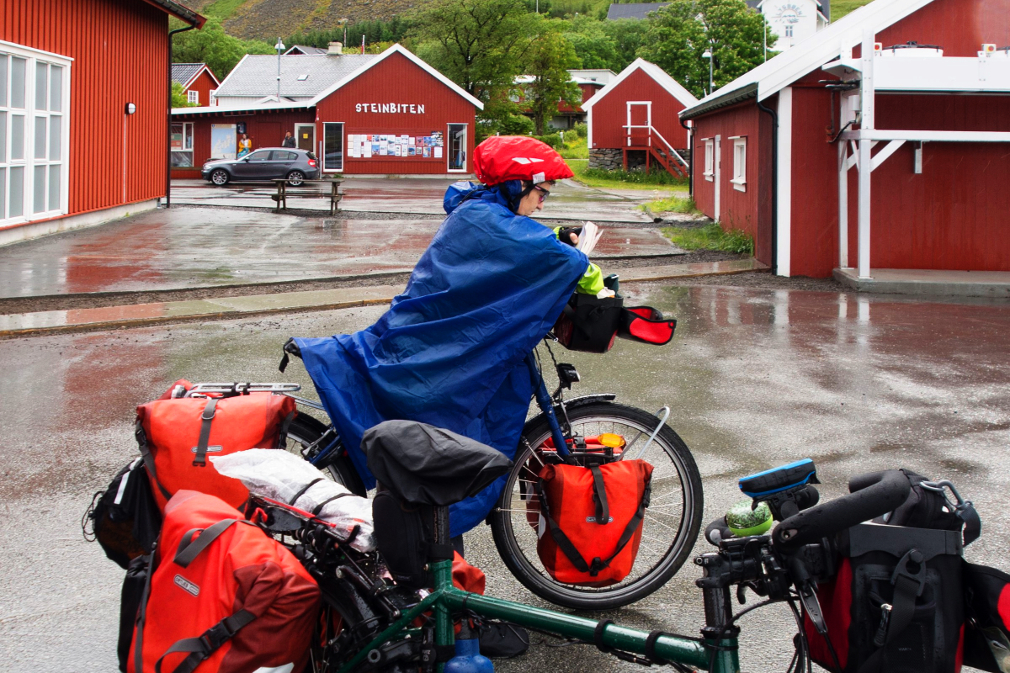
{"x": 502, "y": 158}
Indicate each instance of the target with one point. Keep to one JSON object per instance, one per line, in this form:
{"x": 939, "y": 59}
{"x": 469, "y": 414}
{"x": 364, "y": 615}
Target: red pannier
{"x": 177, "y": 435}
{"x": 223, "y": 597}
{"x": 592, "y": 520}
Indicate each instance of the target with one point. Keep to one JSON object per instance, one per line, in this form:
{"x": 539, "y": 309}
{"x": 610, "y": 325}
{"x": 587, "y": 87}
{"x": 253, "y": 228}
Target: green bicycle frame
{"x": 703, "y": 654}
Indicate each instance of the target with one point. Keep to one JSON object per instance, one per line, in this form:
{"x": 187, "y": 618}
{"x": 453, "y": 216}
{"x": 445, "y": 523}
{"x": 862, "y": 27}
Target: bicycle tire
{"x": 303, "y": 433}
{"x": 516, "y": 540}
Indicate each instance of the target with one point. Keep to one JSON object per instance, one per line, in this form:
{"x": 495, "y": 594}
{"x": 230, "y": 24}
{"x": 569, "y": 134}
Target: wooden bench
{"x": 281, "y": 197}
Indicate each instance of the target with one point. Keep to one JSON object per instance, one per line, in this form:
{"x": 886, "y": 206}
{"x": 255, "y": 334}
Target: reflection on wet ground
{"x": 754, "y": 378}
{"x": 198, "y": 247}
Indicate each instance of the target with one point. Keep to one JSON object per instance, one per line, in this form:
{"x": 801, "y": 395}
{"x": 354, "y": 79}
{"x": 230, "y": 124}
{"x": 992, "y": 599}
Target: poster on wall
{"x": 223, "y": 141}
{"x": 368, "y": 145}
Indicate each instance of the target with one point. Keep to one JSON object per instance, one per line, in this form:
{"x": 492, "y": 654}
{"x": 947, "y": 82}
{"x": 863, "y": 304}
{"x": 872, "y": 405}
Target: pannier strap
{"x": 902, "y": 609}
{"x": 200, "y": 460}
{"x": 209, "y": 641}
{"x": 305, "y": 488}
{"x": 569, "y": 549}
{"x": 190, "y": 548}
{"x": 600, "y": 497}
{"x": 145, "y": 452}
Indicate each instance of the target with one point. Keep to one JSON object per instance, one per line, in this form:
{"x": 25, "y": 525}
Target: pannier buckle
{"x": 914, "y": 556}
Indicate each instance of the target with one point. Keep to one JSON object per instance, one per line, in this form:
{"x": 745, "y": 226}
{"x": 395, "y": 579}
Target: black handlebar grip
{"x": 875, "y": 494}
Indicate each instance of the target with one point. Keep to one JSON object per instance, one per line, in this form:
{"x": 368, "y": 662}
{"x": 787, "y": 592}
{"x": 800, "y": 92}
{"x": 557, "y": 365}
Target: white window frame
{"x": 187, "y": 144}
{"x": 213, "y": 98}
{"x": 789, "y": 30}
{"x": 447, "y": 144}
{"x": 739, "y": 163}
{"x": 193, "y": 97}
{"x": 709, "y": 172}
{"x": 343, "y": 149}
{"x": 54, "y": 204}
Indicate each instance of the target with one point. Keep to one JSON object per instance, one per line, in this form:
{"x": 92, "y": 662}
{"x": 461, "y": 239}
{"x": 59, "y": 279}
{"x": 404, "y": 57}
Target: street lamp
{"x": 708, "y": 55}
{"x": 279, "y": 47}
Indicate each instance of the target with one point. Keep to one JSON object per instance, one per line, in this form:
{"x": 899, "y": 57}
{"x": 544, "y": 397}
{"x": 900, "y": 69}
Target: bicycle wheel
{"x": 304, "y": 434}
{"x": 671, "y": 521}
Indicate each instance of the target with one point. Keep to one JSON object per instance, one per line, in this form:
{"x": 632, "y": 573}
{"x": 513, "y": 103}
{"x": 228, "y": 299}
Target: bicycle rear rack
{"x": 236, "y": 388}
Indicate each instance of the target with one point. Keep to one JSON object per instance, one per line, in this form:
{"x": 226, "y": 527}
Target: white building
{"x": 793, "y": 20}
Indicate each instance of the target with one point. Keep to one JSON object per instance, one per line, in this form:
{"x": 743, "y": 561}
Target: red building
{"x": 389, "y": 113}
{"x": 833, "y": 155}
{"x": 633, "y": 120}
{"x": 84, "y": 105}
{"x": 198, "y": 83}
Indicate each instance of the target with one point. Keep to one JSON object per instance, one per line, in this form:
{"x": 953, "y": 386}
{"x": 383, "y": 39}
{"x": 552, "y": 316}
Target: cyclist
{"x": 450, "y": 349}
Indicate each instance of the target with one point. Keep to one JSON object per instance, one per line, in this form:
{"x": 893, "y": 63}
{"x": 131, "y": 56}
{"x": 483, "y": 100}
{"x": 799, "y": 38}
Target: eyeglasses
{"x": 544, "y": 193}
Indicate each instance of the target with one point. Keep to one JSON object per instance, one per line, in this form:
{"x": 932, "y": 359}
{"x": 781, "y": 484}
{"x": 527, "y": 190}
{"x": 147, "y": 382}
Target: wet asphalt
{"x": 755, "y": 378}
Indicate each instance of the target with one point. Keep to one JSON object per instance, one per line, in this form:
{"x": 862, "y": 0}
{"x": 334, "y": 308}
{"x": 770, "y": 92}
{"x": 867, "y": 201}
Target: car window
{"x": 260, "y": 156}
{"x": 284, "y": 156}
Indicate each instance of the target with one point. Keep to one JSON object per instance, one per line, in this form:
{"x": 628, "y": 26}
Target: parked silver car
{"x": 268, "y": 163}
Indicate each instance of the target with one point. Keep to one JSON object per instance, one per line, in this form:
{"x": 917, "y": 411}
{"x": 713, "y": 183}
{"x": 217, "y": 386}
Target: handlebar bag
{"x": 223, "y": 597}
{"x": 589, "y": 324}
{"x": 591, "y": 520}
{"x": 177, "y": 434}
{"x": 646, "y": 325}
{"x": 895, "y": 604}
{"x": 987, "y": 623}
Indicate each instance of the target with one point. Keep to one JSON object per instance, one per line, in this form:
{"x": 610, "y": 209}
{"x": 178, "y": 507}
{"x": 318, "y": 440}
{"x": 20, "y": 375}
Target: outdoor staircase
{"x": 651, "y": 141}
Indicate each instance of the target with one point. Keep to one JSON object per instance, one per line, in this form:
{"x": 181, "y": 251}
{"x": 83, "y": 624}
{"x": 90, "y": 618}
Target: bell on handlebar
{"x": 786, "y": 489}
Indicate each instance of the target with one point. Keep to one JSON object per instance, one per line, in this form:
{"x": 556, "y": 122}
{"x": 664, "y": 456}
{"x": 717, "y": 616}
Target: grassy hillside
{"x": 839, "y": 8}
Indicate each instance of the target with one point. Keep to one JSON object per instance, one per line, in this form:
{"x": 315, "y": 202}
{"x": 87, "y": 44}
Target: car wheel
{"x": 219, "y": 177}
{"x": 296, "y": 178}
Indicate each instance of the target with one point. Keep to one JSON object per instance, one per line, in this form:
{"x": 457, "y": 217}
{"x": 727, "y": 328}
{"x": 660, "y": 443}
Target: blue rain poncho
{"x": 450, "y": 349}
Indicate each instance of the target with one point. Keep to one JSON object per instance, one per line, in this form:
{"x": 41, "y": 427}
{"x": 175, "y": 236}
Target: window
{"x": 456, "y": 146}
{"x": 34, "y": 89}
{"x": 182, "y": 145}
{"x": 284, "y": 156}
{"x": 709, "y": 160}
{"x": 739, "y": 164}
{"x": 193, "y": 97}
{"x": 213, "y": 97}
{"x": 789, "y": 30}
{"x": 261, "y": 155}
{"x": 333, "y": 146}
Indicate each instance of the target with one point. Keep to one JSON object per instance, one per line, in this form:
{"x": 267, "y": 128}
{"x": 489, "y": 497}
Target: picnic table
{"x": 281, "y": 197}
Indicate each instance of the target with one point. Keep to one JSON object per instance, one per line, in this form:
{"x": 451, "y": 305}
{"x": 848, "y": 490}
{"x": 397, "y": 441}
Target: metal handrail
{"x": 652, "y": 129}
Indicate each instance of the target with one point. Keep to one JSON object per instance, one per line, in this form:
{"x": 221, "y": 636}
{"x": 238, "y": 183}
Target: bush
{"x": 581, "y": 130}
{"x": 657, "y": 176}
{"x": 711, "y": 237}
{"x": 516, "y": 125}
{"x": 552, "y": 139}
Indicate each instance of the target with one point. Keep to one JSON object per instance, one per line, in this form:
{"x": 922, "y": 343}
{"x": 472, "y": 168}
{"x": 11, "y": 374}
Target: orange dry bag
{"x": 224, "y": 597}
{"x": 177, "y": 435}
{"x": 591, "y": 520}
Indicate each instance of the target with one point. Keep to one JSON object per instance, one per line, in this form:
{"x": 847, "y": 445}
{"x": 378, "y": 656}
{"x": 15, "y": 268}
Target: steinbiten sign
{"x": 390, "y": 108}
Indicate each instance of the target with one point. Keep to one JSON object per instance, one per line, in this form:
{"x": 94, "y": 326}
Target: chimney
{"x": 335, "y": 49}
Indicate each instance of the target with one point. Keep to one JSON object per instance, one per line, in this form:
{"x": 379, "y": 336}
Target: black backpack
{"x": 124, "y": 517}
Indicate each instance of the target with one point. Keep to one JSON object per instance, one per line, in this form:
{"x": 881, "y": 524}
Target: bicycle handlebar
{"x": 871, "y": 495}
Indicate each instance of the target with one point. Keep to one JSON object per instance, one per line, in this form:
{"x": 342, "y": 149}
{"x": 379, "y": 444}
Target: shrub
{"x": 657, "y": 176}
{"x": 581, "y": 130}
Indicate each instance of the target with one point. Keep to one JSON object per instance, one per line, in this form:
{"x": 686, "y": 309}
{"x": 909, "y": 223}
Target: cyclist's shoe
{"x": 502, "y": 640}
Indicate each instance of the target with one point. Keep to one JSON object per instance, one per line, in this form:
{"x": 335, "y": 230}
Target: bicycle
{"x": 672, "y": 521}
{"x": 370, "y": 624}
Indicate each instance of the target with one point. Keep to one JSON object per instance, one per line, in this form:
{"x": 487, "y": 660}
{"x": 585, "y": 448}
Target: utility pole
{"x": 280, "y": 48}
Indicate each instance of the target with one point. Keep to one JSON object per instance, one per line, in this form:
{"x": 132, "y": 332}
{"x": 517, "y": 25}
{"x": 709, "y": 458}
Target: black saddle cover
{"x": 423, "y": 464}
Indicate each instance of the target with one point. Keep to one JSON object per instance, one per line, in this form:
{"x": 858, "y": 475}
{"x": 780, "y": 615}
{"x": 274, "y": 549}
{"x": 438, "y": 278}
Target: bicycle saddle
{"x": 423, "y": 464}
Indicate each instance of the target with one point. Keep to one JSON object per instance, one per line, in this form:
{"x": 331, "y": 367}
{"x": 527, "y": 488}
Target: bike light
{"x": 611, "y": 440}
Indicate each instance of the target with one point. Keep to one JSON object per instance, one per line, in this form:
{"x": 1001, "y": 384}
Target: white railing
{"x": 667, "y": 147}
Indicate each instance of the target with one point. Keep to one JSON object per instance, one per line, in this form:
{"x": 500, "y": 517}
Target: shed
{"x": 388, "y": 113}
{"x": 86, "y": 132}
{"x": 633, "y": 120}
{"x": 857, "y": 126}
{"x": 198, "y": 83}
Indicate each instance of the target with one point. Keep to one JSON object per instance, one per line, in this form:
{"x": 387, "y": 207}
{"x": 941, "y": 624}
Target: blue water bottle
{"x": 468, "y": 658}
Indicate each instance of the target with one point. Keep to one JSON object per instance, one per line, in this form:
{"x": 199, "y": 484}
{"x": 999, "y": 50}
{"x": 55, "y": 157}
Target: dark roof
{"x": 256, "y": 76}
{"x": 183, "y": 72}
{"x": 301, "y": 49}
{"x": 633, "y": 10}
{"x": 179, "y": 11}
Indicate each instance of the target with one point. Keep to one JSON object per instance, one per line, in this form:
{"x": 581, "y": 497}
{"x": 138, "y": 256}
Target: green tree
{"x": 680, "y": 33}
{"x": 211, "y": 45}
{"x": 628, "y": 35}
{"x": 479, "y": 44}
{"x": 593, "y": 46}
{"x": 548, "y": 61}
{"x": 179, "y": 98}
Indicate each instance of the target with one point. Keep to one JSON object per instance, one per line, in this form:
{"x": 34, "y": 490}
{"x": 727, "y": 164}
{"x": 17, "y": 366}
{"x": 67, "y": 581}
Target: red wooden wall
{"x": 959, "y": 26}
{"x": 749, "y": 210}
{"x": 265, "y": 129}
{"x": 120, "y": 52}
{"x": 397, "y": 79}
{"x": 610, "y": 113}
{"x": 204, "y": 83}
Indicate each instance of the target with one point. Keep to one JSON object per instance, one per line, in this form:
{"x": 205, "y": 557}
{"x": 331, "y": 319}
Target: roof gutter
{"x": 180, "y": 12}
{"x": 725, "y": 100}
{"x": 168, "y": 106}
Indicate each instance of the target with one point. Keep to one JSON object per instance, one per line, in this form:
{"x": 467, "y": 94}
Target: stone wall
{"x": 607, "y": 159}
